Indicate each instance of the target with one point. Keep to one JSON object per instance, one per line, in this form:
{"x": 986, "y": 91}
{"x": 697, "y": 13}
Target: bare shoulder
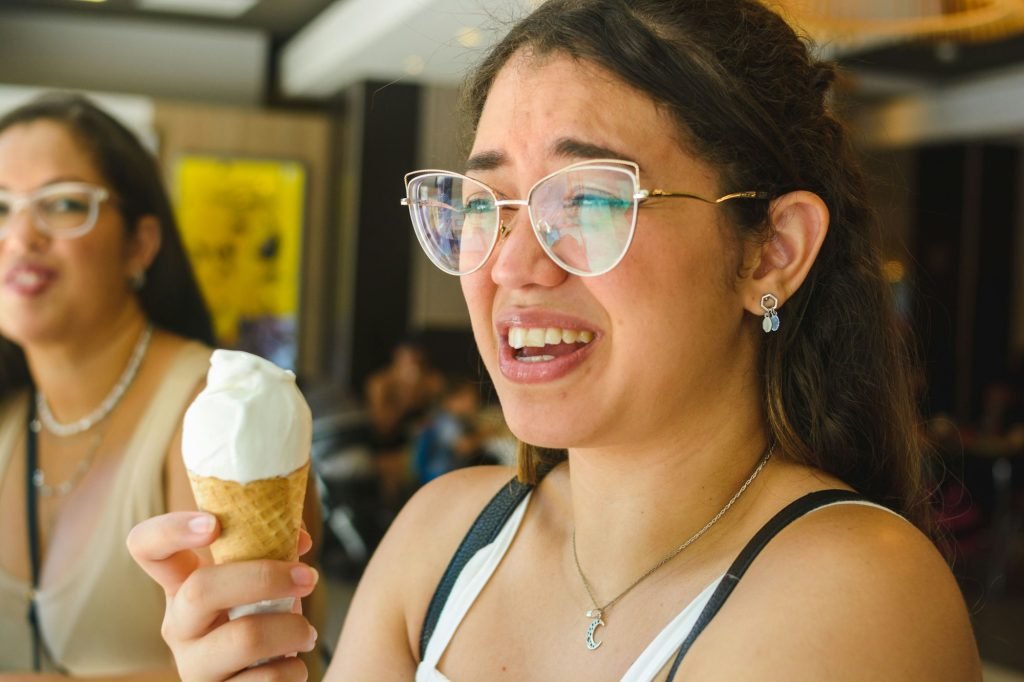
{"x": 388, "y": 608}
{"x": 849, "y": 592}
{"x": 177, "y": 490}
{"x": 430, "y": 527}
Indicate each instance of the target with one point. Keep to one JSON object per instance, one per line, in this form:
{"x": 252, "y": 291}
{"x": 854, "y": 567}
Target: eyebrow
{"x": 578, "y": 149}
{"x": 59, "y": 180}
{"x": 565, "y": 147}
{"x": 485, "y": 161}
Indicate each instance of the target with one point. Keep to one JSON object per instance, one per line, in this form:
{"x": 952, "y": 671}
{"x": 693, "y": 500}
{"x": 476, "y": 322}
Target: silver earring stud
{"x": 138, "y": 280}
{"x": 770, "y": 323}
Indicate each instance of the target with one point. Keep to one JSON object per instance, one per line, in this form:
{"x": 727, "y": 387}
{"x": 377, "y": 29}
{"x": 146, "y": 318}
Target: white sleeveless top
{"x": 478, "y": 571}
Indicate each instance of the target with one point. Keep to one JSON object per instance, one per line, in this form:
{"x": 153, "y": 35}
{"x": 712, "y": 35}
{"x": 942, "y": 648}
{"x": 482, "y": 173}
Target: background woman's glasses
{"x": 63, "y": 210}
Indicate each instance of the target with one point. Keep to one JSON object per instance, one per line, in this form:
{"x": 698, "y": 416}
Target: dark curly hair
{"x": 170, "y": 297}
{"x": 749, "y": 98}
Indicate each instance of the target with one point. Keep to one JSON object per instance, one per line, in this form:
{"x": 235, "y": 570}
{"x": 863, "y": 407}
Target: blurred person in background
{"x": 454, "y": 436}
{"x": 675, "y": 284}
{"x": 398, "y": 399}
{"x": 104, "y": 341}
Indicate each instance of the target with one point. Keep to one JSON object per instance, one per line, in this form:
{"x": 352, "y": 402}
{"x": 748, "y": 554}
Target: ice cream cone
{"x": 246, "y": 443}
{"x": 258, "y": 520}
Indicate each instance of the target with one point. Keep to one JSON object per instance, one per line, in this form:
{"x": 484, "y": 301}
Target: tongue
{"x": 556, "y": 350}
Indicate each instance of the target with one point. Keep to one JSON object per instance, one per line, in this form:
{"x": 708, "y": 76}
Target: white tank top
{"x": 481, "y": 567}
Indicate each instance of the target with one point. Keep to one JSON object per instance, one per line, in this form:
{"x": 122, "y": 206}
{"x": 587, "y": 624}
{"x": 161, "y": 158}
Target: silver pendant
{"x": 592, "y": 628}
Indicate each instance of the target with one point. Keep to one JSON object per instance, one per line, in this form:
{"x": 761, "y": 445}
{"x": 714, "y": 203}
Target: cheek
{"x": 95, "y": 263}
{"x": 478, "y": 290}
{"x": 677, "y": 283}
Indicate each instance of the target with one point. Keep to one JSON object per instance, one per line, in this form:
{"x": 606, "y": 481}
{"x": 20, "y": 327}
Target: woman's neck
{"x": 76, "y": 374}
{"x": 630, "y": 508}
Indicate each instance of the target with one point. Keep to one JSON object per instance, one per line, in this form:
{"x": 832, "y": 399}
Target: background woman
{"x": 104, "y": 340}
{"x": 674, "y": 282}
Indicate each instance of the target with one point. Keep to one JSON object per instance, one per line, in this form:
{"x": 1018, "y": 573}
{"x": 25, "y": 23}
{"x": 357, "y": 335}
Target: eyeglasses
{"x": 63, "y": 210}
{"x": 583, "y": 215}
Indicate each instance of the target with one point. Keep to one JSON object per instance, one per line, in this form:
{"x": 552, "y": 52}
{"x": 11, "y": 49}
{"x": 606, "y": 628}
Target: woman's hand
{"x": 206, "y": 645}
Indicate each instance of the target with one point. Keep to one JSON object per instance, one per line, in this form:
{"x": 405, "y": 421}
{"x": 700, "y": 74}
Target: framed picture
{"x": 241, "y": 220}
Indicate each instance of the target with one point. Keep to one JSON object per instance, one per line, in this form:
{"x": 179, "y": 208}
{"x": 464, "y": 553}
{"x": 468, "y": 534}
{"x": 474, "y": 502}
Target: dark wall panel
{"x": 385, "y": 239}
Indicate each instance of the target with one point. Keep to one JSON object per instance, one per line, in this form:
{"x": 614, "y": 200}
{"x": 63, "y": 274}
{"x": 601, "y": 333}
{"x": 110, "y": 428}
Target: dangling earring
{"x": 771, "y": 318}
{"x": 138, "y": 280}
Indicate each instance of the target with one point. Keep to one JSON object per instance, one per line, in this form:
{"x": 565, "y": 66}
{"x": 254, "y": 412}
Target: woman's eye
{"x": 65, "y": 205}
{"x": 479, "y": 205}
{"x": 596, "y": 200}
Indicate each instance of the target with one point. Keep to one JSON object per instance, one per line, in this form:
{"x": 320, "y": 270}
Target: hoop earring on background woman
{"x": 769, "y": 303}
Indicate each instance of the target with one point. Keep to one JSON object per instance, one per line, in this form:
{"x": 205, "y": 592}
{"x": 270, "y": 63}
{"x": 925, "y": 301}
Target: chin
{"x": 541, "y": 426}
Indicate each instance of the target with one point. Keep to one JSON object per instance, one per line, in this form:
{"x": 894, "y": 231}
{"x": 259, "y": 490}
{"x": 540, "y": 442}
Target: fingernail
{"x": 304, "y": 576}
{"x": 201, "y": 524}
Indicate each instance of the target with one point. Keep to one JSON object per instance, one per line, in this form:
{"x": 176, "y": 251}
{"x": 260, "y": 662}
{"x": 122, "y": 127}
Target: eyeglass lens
{"x": 63, "y": 212}
{"x": 583, "y": 218}
{"x": 456, "y": 220}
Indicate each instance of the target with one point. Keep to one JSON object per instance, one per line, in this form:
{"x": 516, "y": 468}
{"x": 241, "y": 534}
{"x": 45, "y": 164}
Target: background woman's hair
{"x": 748, "y": 97}
{"x": 170, "y": 297}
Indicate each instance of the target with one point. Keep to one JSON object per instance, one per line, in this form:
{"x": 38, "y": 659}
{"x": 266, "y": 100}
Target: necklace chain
{"x": 598, "y": 611}
{"x": 109, "y": 403}
{"x": 62, "y": 489}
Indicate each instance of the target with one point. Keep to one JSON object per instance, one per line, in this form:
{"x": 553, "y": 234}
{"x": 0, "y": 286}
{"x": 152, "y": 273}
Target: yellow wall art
{"x": 241, "y": 220}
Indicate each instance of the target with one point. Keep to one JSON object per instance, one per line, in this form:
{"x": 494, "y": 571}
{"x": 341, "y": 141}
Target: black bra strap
{"x": 32, "y": 516}
{"x": 790, "y": 513}
{"x": 482, "y": 533}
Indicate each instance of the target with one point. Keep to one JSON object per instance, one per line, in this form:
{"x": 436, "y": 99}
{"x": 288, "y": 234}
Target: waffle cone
{"x": 258, "y": 520}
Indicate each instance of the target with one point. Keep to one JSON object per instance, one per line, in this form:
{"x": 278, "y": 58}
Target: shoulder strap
{"x": 790, "y": 513}
{"x": 482, "y": 533}
{"x": 32, "y": 518}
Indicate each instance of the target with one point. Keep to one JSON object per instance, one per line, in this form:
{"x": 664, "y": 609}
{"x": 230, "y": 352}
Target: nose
{"x": 519, "y": 260}
{"x": 20, "y": 226}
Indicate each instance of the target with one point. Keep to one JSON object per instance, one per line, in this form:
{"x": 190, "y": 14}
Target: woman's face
{"x": 52, "y": 290}
{"x": 668, "y": 324}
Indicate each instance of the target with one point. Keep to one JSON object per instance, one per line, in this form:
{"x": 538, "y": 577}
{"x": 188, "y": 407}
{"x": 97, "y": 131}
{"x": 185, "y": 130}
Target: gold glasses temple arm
{"x": 662, "y": 194}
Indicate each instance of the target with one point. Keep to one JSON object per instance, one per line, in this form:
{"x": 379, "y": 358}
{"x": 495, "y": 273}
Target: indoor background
{"x": 303, "y": 116}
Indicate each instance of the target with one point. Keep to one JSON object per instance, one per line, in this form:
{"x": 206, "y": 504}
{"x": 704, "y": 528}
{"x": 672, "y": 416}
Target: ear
{"x": 780, "y": 265}
{"x": 144, "y": 245}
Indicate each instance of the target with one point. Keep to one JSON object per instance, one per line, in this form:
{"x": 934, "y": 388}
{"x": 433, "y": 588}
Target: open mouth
{"x": 544, "y": 344}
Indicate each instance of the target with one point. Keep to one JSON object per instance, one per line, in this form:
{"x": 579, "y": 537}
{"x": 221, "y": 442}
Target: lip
{"x": 43, "y": 278}
{"x": 540, "y": 372}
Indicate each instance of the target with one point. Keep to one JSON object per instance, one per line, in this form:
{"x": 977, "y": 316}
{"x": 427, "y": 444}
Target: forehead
{"x": 537, "y": 101}
{"x": 40, "y": 152}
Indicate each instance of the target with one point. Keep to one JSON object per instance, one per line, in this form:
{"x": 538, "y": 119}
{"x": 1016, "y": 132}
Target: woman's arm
{"x": 845, "y": 594}
{"x": 379, "y": 640}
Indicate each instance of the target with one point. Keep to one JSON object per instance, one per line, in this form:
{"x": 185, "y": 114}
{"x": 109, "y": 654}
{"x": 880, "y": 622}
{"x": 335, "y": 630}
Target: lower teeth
{"x": 537, "y": 358}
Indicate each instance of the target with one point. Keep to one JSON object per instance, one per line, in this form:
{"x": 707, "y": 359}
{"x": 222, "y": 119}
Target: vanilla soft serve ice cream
{"x": 249, "y": 423}
{"x": 246, "y": 443}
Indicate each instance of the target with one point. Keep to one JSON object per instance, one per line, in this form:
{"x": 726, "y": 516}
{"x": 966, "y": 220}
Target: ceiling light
{"x": 858, "y": 22}
{"x": 468, "y": 36}
{"x": 227, "y": 9}
{"x": 93, "y": 1}
{"x": 894, "y": 271}
{"x": 413, "y": 64}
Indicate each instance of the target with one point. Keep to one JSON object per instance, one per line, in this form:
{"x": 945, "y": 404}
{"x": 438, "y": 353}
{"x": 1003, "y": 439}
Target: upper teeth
{"x": 27, "y": 278}
{"x": 538, "y": 337}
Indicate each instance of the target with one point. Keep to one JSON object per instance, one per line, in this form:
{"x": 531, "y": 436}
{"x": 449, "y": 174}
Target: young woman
{"x": 674, "y": 284}
{"x": 104, "y": 341}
